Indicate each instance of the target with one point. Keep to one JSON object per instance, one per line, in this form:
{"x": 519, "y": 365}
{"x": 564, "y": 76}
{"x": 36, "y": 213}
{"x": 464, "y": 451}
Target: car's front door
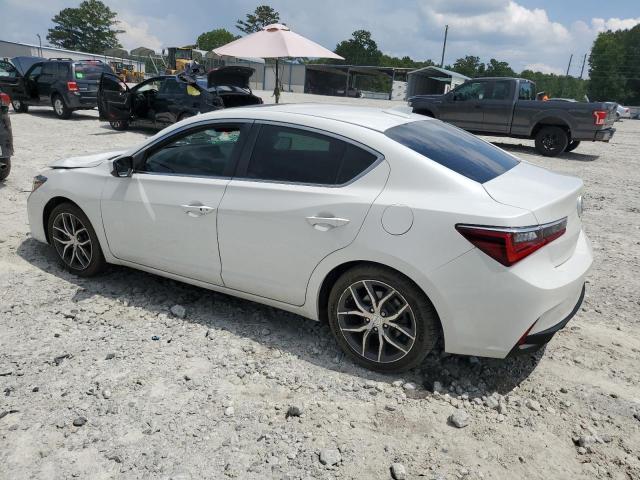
{"x": 165, "y": 215}
{"x": 462, "y": 106}
{"x": 114, "y": 99}
{"x": 497, "y": 106}
{"x": 11, "y": 82}
{"x": 301, "y": 195}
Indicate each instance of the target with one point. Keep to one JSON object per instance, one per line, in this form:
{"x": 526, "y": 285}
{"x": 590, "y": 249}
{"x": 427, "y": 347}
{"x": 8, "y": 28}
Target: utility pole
{"x": 584, "y": 60}
{"x": 569, "y": 66}
{"x": 444, "y": 45}
{"x": 40, "y": 42}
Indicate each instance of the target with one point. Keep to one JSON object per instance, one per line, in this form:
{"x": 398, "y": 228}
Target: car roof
{"x": 374, "y": 118}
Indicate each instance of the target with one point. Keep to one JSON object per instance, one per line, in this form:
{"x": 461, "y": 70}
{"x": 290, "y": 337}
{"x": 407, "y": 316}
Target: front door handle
{"x": 197, "y": 210}
{"x": 326, "y": 223}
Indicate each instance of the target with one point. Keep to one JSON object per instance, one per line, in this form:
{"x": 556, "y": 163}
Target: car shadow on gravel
{"x": 49, "y": 113}
{"x": 306, "y": 339}
{"x": 579, "y": 157}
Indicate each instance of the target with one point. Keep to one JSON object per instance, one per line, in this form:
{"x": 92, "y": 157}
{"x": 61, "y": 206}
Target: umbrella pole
{"x": 276, "y": 91}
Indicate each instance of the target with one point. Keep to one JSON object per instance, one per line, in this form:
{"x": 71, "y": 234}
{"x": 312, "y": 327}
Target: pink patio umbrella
{"x": 275, "y": 41}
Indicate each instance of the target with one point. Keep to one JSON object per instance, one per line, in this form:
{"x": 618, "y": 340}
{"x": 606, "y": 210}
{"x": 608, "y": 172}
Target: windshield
{"x": 90, "y": 71}
{"x": 453, "y": 148}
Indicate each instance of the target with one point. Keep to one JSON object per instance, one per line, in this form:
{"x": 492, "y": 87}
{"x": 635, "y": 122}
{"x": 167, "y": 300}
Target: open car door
{"x": 11, "y": 80}
{"x": 114, "y": 99}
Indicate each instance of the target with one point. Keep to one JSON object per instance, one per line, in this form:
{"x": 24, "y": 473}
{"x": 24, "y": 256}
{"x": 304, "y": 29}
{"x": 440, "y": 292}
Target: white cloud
{"x": 602, "y": 25}
{"x": 544, "y": 68}
{"x": 137, "y": 34}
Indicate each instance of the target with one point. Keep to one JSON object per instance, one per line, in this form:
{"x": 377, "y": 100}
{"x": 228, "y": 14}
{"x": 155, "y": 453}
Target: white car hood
{"x": 86, "y": 161}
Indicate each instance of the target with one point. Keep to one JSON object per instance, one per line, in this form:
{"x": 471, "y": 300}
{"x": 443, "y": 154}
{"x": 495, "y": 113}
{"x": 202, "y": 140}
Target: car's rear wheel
{"x": 551, "y": 141}
{"x": 19, "y": 106}
{"x": 5, "y": 169}
{"x": 572, "y": 146}
{"x": 381, "y": 319}
{"x": 75, "y": 240}
{"x": 60, "y": 108}
{"x": 119, "y": 125}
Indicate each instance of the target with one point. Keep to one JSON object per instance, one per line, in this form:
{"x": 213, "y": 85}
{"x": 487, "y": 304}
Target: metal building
{"x": 433, "y": 81}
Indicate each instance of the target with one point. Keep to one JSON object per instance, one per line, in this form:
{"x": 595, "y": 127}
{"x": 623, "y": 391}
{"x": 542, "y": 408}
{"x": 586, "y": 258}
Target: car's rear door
{"x": 300, "y": 195}
{"x": 45, "y": 80}
{"x": 166, "y": 215}
{"x": 114, "y": 99}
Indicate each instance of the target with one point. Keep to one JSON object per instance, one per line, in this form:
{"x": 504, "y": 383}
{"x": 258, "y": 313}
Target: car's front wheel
{"x": 381, "y": 319}
{"x": 75, "y": 240}
{"x": 19, "y": 106}
{"x": 551, "y": 141}
{"x": 5, "y": 169}
{"x": 60, "y": 108}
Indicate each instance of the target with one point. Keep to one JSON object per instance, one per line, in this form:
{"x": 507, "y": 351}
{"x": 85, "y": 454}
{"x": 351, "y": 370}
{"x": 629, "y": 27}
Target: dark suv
{"x": 63, "y": 83}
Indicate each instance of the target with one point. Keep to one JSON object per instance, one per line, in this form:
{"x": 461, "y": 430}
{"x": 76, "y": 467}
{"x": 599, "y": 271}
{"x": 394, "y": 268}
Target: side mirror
{"x": 122, "y": 167}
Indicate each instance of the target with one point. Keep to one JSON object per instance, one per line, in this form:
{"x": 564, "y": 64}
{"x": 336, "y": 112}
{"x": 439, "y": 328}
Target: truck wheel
{"x": 119, "y": 125}
{"x": 60, "y": 108}
{"x": 551, "y": 141}
{"x": 19, "y": 107}
{"x": 572, "y": 146}
{"x": 5, "y": 168}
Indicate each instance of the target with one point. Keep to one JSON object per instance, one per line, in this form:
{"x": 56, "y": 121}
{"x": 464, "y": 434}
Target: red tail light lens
{"x": 599, "y": 117}
{"x": 4, "y": 100}
{"x": 72, "y": 86}
{"x": 510, "y": 245}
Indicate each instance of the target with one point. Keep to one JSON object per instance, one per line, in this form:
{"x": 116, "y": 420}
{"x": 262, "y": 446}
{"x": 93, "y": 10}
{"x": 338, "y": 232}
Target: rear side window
{"x": 526, "y": 91}
{"x": 285, "y": 154}
{"x": 49, "y": 68}
{"x": 64, "y": 70}
{"x": 172, "y": 87}
{"x": 453, "y": 148}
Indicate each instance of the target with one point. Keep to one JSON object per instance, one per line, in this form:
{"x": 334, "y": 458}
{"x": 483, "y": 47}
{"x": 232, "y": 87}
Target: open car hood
{"x": 23, "y": 64}
{"x": 233, "y": 76}
{"x": 86, "y": 161}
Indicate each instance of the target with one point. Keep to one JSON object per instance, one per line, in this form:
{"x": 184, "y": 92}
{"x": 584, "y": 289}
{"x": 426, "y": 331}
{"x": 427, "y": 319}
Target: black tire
{"x": 418, "y": 318}
{"x": 572, "y": 146}
{"x": 19, "y": 106}
{"x": 551, "y": 141}
{"x": 5, "y": 169}
{"x": 60, "y": 107}
{"x": 119, "y": 125}
{"x": 83, "y": 261}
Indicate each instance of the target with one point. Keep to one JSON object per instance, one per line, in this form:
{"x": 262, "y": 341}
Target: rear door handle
{"x": 326, "y": 223}
{"x": 197, "y": 210}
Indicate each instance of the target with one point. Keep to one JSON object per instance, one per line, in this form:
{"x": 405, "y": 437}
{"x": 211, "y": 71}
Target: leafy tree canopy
{"x": 91, "y": 27}
{"x": 215, "y": 38}
{"x": 263, "y": 15}
{"x": 361, "y": 49}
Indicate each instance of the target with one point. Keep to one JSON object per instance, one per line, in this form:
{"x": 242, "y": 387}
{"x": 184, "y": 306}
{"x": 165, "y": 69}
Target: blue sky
{"x": 538, "y": 34}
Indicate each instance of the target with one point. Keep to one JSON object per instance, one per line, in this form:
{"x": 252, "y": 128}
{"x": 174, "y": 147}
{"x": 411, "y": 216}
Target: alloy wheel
{"x": 58, "y": 106}
{"x": 550, "y": 141}
{"x": 376, "y": 321}
{"x": 72, "y": 241}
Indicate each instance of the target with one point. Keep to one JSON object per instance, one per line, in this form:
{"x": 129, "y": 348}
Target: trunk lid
{"x": 549, "y": 196}
{"x": 233, "y": 76}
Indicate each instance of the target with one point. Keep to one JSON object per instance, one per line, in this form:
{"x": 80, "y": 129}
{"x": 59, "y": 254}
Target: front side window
{"x": 206, "y": 153}
{"x": 151, "y": 85}
{"x": 500, "y": 90}
{"x": 470, "y": 91}
{"x": 35, "y": 72}
{"x": 285, "y": 154}
{"x": 453, "y": 148}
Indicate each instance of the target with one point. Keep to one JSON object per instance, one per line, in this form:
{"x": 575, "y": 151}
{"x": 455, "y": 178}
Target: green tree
{"x": 91, "y": 27}
{"x": 215, "y": 38}
{"x": 359, "y": 50}
{"x": 470, "y": 66}
{"x": 263, "y": 15}
{"x": 496, "y": 68}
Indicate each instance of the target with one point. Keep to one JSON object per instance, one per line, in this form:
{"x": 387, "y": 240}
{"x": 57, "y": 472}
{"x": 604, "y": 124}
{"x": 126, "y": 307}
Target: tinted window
{"x": 37, "y": 70}
{"x": 7, "y": 70}
{"x": 172, "y": 87}
{"x": 301, "y": 156}
{"x": 526, "y": 91}
{"x": 453, "y": 148}
{"x": 49, "y": 68}
{"x": 470, "y": 91}
{"x": 500, "y": 90}
{"x": 206, "y": 152}
{"x": 64, "y": 70}
{"x": 90, "y": 71}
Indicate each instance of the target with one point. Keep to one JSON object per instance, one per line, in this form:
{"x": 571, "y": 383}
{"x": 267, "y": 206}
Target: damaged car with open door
{"x": 161, "y": 101}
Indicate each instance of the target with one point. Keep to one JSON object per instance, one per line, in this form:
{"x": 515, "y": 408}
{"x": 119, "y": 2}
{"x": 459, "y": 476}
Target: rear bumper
{"x": 535, "y": 341}
{"x": 604, "y": 135}
{"x": 82, "y": 101}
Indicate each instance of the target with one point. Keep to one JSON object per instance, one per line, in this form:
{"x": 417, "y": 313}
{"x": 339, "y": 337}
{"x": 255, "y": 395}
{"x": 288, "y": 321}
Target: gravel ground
{"x": 104, "y": 378}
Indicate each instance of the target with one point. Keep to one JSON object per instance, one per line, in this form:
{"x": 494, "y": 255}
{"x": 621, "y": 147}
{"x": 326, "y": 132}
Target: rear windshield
{"x": 90, "y": 71}
{"x": 453, "y": 148}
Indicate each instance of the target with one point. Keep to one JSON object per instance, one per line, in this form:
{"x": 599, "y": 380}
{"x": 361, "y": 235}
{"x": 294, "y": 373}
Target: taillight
{"x": 72, "y": 86}
{"x": 599, "y": 116}
{"x": 509, "y": 245}
{"x": 4, "y": 99}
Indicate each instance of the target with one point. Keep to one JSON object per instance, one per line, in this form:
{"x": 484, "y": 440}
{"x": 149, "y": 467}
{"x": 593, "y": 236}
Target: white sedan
{"x": 397, "y": 229}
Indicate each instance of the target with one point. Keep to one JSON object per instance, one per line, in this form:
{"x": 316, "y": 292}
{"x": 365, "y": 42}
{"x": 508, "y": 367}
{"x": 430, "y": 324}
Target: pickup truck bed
{"x": 506, "y": 107}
